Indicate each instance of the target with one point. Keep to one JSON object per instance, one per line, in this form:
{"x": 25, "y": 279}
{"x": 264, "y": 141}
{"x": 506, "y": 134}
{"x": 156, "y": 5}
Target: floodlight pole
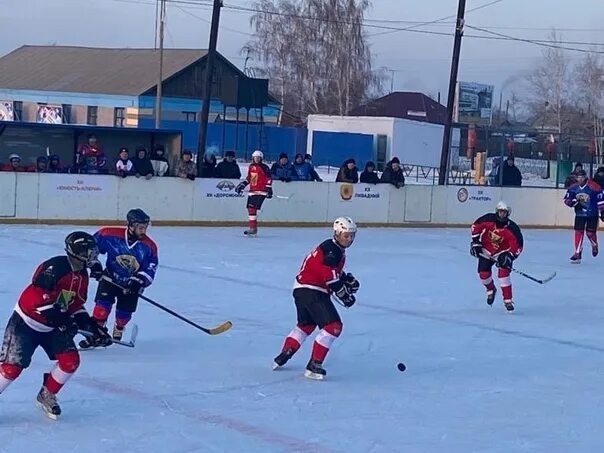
{"x": 444, "y": 155}
{"x": 207, "y": 87}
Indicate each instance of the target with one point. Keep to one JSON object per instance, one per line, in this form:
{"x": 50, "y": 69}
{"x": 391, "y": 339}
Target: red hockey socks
{"x": 122, "y": 318}
{"x": 579, "y": 241}
{"x": 101, "y": 311}
{"x": 324, "y": 340}
{"x": 487, "y": 280}
{"x": 506, "y": 283}
{"x": 253, "y": 218}
{"x": 67, "y": 364}
{"x": 593, "y": 238}
{"x": 8, "y": 373}
{"x": 297, "y": 336}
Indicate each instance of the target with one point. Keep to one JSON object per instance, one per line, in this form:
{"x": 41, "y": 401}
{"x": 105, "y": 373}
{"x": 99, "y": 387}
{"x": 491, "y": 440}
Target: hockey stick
{"x": 213, "y": 331}
{"x": 130, "y": 343}
{"x": 525, "y": 275}
{"x": 282, "y": 197}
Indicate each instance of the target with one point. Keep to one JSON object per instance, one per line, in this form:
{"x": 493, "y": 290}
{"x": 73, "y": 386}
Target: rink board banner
{"x": 216, "y": 200}
{"x": 364, "y": 202}
{"x": 77, "y": 196}
{"x": 466, "y": 203}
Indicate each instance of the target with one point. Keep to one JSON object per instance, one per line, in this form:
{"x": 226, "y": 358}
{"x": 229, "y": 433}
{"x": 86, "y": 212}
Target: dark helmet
{"x": 137, "y": 216}
{"x": 82, "y": 246}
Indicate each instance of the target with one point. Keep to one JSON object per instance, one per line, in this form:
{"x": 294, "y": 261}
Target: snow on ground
{"x": 477, "y": 380}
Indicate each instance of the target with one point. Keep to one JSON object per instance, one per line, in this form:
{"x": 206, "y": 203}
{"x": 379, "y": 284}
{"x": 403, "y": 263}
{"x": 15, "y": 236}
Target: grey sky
{"x": 421, "y": 61}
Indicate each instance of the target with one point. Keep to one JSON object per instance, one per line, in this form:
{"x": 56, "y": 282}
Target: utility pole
{"x": 160, "y": 76}
{"x": 444, "y": 155}
{"x": 207, "y": 88}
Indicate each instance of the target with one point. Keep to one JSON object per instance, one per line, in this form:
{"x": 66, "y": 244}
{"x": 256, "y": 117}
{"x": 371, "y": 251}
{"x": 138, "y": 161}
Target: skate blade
{"x": 276, "y": 366}
{"x": 575, "y": 262}
{"x": 314, "y": 376}
{"x": 50, "y": 415}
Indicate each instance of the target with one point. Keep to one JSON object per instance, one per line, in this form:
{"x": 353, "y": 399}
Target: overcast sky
{"x": 421, "y": 61}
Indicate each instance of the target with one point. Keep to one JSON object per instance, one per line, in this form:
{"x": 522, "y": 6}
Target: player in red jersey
{"x": 260, "y": 181}
{"x": 496, "y": 240}
{"x": 321, "y": 275}
{"x": 48, "y": 314}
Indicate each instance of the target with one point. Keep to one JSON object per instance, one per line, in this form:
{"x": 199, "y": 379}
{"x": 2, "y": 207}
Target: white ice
{"x": 477, "y": 380}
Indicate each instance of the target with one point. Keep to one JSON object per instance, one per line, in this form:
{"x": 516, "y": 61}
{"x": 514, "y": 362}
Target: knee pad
{"x": 334, "y": 328}
{"x": 252, "y": 211}
{"x": 68, "y": 361}
{"x": 306, "y": 328}
{"x": 503, "y": 273}
{"x": 10, "y": 371}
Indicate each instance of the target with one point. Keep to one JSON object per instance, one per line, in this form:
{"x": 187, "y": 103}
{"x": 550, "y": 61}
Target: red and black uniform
{"x": 320, "y": 274}
{"x": 44, "y": 316}
{"x": 260, "y": 181}
{"x": 497, "y": 238}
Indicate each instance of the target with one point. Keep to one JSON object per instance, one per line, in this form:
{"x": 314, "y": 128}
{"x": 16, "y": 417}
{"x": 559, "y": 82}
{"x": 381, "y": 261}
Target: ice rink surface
{"x": 477, "y": 379}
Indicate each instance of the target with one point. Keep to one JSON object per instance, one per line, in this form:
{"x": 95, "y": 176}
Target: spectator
{"x": 41, "y": 165}
{"x": 572, "y": 178}
{"x": 228, "y": 168}
{"x": 124, "y": 166}
{"x": 14, "y": 164}
{"x": 304, "y": 170}
{"x": 369, "y": 175}
{"x": 90, "y": 157}
{"x": 283, "y": 170}
{"x": 511, "y": 174}
{"x": 142, "y": 163}
{"x": 186, "y": 168}
{"x": 599, "y": 177}
{"x": 160, "y": 164}
{"x": 348, "y": 172}
{"x": 313, "y": 173}
{"x": 494, "y": 173}
{"x": 393, "y": 173}
{"x": 208, "y": 166}
{"x": 54, "y": 164}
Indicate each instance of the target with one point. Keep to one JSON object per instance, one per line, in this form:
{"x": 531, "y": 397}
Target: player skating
{"x": 48, "y": 314}
{"x": 132, "y": 260}
{"x": 260, "y": 181}
{"x": 496, "y": 240}
{"x": 587, "y": 199}
{"x": 321, "y": 275}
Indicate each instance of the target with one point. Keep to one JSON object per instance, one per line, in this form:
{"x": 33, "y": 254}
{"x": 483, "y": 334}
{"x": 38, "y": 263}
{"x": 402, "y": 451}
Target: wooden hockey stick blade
{"x": 221, "y": 328}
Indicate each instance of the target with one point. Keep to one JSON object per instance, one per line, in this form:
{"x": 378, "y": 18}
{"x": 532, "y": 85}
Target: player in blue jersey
{"x": 587, "y": 199}
{"x": 132, "y": 261}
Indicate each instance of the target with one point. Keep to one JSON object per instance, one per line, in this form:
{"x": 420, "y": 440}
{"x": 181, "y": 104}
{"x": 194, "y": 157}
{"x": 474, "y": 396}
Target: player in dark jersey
{"x": 496, "y": 240}
{"x": 260, "y": 180}
{"x": 321, "y": 275}
{"x": 49, "y": 314}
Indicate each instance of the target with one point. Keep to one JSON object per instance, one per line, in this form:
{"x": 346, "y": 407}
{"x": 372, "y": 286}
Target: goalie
{"x": 320, "y": 277}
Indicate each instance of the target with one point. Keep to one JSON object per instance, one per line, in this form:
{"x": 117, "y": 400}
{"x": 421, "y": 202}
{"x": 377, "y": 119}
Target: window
{"x": 18, "y": 110}
{"x": 190, "y": 116}
{"x": 66, "y": 119}
{"x": 119, "y": 116}
{"x": 92, "y": 115}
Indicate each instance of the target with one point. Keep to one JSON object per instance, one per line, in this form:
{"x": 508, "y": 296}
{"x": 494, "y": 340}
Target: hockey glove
{"x": 269, "y": 192}
{"x": 342, "y": 291}
{"x": 55, "y": 316}
{"x": 240, "y": 187}
{"x": 475, "y": 249}
{"x": 96, "y": 270}
{"x": 191, "y": 176}
{"x": 135, "y": 284}
{"x": 352, "y": 282}
{"x": 505, "y": 260}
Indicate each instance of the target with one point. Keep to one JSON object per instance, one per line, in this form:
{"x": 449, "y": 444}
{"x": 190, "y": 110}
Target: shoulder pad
{"x": 332, "y": 254}
{"x": 51, "y": 271}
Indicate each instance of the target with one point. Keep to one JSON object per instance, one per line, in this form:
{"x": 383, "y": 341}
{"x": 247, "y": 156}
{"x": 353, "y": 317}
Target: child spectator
{"x": 160, "y": 164}
{"x": 228, "y": 168}
{"x": 393, "y": 173}
{"x": 41, "y": 165}
{"x": 124, "y": 166}
{"x": 208, "y": 166}
{"x": 142, "y": 163}
{"x": 186, "y": 168}
{"x": 313, "y": 173}
{"x": 369, "y": 175}
{"x": 283, "y": 170}
{"x": 348, "y": 172}
{"x": 54, "y": 164}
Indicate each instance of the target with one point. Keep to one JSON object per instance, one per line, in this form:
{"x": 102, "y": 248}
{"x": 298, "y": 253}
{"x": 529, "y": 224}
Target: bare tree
{"x": 315, "y": 54}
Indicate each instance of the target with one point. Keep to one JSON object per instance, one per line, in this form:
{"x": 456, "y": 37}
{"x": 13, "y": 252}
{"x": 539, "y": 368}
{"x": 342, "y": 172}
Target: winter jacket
{"x": 124, "y": 168}
{"x": 599, "y": 176}
{"x": 208, "y": 166}
{"x": 142, "y": 166}
{"x": 186, "y": 169}
{"x": 396, "y": 178}
{"x": 369, "y": 177}
{"x": 55, "y": 168}
{"x": 228, "y": 170}
{"x": 346, "y": 175}
{"x": 511, "y": 175}
{"x": 284, "y": 173}
{"x": 160, "y": 165}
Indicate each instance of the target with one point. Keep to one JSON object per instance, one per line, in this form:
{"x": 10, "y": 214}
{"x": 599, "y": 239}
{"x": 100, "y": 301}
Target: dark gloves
{"x": 505, "y": 260}
{"x": 240, "y": 187}
{"x": 135, "y": 284}
{"x": 96, "y": 270}
{"x": 191, "y": 177}
{"x": 269, "y": 192}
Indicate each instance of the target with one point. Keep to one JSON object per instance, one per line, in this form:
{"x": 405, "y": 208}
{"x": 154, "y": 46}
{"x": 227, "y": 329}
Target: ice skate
{"x": 491, "y": 296}
{"x": 509, "y": 305}
{"x": 283, "y": 358}
{"x": 594, "y": 250}
{"x": 118, "y": 332}
{"x": 48, "y": 402}
{"x": 576, "y": 258}
{"x": 315, "y": 370}
{"x": 251, "y": 232}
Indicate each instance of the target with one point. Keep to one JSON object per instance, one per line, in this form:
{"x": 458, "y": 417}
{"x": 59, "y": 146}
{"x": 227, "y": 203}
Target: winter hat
{"x": 282, "y": 155}
{"x": 229, "y": 153}
{"x": 187, "y": 151}
{"x": 395, "y": 160}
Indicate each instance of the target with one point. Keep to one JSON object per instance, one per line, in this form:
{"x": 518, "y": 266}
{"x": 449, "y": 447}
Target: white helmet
{"x": 14, "y": 157}
{"x": 503, "y": 206}
{"x": 344, "y": 225}
{"x": 258, "y": 153}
